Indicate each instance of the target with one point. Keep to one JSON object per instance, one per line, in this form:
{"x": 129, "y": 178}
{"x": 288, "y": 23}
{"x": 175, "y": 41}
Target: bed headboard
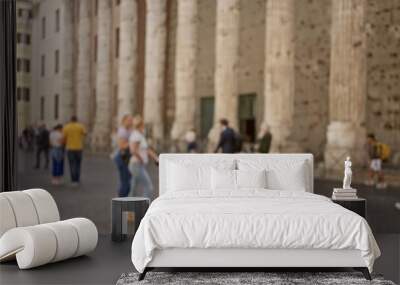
{"x": 208, "y": 157}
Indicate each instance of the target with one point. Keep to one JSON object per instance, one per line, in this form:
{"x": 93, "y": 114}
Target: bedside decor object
{"x": 347, "y": 192}
{"x": 138, "y": 205}
{"x": 31, "y": 231}
{"x": 347, "y": 174}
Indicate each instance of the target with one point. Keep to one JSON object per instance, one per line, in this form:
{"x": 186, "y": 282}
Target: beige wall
{"x": 383, "y": 69}
{"x": 205, "y": 53}
{"x": 312, "y": 57}
{"x": 251, "y": 52}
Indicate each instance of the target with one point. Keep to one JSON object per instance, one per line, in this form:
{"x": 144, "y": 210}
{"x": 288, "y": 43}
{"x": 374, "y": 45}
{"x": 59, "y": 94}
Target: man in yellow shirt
{"x": 74, "y": 134}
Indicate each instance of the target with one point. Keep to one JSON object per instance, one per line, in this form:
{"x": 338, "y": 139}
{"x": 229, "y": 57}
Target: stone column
{"x": 156, "y": 32}
{"x": 347, "y": 94}
{"x": 185, "y": 68}
{"x": 83, "y": 65}
{"x": 102, "y": 129}
{"x": 128, "y": 58}
{"x": 279, "y": 74}
{"x": 66, "y": 62}
{"x": 227, "y": 64}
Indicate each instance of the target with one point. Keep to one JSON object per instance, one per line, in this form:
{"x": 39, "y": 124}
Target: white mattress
{"x": 252, "y": 219}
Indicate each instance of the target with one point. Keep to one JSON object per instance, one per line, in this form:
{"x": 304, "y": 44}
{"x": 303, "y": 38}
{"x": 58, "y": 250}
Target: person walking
{"x": 122, "y": 155}
{"x": 74, "y": 133}
{"x": 42, "y": 146}
{"x": 264, "y": 140}
{"x": 375, "y": 162}
{"x": 227, "y": 140}
{"x": 190, "y": 138}
{"x": 140, "y": 154}
{"x": 57, "y": 154}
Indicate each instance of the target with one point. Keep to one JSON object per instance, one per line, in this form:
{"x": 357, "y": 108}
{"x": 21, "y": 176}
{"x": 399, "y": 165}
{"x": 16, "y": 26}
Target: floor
{"x": 105, "y": 265}
{"x": 100, "y": 182}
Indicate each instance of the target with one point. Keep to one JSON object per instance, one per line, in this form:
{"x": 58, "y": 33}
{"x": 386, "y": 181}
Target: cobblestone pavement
{"x": 92, "y": 199}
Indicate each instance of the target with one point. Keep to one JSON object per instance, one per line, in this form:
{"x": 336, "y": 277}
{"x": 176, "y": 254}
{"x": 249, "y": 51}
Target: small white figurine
{"x": 347, "y": 174}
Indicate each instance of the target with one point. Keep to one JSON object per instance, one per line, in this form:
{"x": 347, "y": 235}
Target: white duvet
{"x": 250, "y": 219}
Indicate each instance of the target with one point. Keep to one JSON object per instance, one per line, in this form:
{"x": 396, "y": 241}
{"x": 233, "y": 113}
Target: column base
{"x": 100, "y": 141}
{"x": 286, "y": 147}
{"x": 282, "y": 140}
{"x": 344, "y": 139}
{"x": 213, "y": 137}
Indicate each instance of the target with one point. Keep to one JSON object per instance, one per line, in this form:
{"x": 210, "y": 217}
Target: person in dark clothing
{"x": 30, "y": 138}
{"x": 42, "y": 146}
{"x": 264, "y": 140}
{"x": 227, "y": 140}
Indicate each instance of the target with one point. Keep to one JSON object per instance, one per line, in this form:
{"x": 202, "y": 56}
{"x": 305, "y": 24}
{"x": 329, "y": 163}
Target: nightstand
{"x": 358, "y": 206}
{"x": 138, "y": 205}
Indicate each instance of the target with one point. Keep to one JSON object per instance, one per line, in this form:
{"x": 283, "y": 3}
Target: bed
{"x": 245, "y": 211}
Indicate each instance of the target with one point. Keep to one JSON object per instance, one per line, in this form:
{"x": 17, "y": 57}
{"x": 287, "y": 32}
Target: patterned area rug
{"x": 229, "y": 278}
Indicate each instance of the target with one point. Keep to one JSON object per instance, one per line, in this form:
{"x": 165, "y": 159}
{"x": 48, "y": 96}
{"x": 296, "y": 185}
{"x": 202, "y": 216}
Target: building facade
{"x": 53, "y": 61}
{"x": 23, "y": 64}
{"x": 321, "y": 74}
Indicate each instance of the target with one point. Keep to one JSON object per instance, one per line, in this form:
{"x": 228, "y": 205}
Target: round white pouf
{"x": 52, "y": 242}
{"x": 6, "y": 215}
{"x": 87, "y": 233}
{"x": 33, "y": 246}
{"x": 46, "y": 207}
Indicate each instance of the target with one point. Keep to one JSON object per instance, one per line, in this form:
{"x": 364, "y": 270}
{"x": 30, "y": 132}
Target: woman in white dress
{"x": 140, "y": 154}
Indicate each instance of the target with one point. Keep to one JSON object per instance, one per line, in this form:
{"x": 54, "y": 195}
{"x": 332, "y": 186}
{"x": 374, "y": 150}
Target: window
{"x": 30, "y": 15}
{"x": 92, "y": 109}
{"x": 18, "y": 64}
{"x": 96, "y": 7}
{"x": 207, "y": 115}
{"x": 95, "y": 49}
{"x": 19, "y": 38}
{"x": 56, "y": 60}
{"x": 28, "y": 39}
{"x": 20, "y": 12}
{"x": 43, "y": 27}
{"x": 18, "y": 93}
{"x": 247, "y": 116}
{"x": 27, "y": 94}
{"x": 42, "y": 108}
{"x": 57, "y": 20}
{"x": 117, "y": 43}
{"x": 117, "y": 2}
{"x": 43, "y": 65}
{"x": 56, "y": 106}
{"x": 27, "y": 65}
{"x": 114, "y": 101}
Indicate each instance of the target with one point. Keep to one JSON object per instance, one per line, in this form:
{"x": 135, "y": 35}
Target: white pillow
{"x": 223, "y": 179}
{"x": 226, "y": 179}
{"x": 186, "y": 174}
{"x": 251, "y": 178}
{"x": 181, "y": 177}
{"x": 284, "y": 174}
